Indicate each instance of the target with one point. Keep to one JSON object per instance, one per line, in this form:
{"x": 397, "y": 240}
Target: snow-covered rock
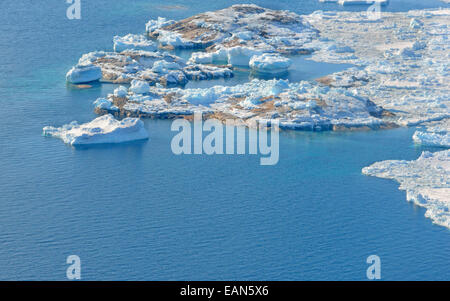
{"x": 270, "y": 63}
{"x": 245, "y": 25}
{"x": 152, "y": 67}
{"x": 103, "y": 129}
{"x": 425, "y": 180}
{"x": 84, "y": 74}
{"x": 133, "y": 41}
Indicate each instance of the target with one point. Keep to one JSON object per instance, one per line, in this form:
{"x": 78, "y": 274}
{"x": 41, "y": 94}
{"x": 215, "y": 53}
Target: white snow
{"x": 103, "y": 129}
{"x": 270, "y": 63}
{"x": 425, "y": 180}
{"x": 84, "y": 73}
{"x": 133, "y": 41}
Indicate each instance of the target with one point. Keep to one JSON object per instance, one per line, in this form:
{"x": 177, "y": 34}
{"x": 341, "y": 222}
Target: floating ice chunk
{"x": 240, "y": 56}
{"x": 433, "y": 139}
{"x": 83, "y": 74}
{"x": 270, "y": 63}
{"x": 103, "y": 103}
{"x": 426, "y": 181}
{"x": 121, "y": 92}
{"x": 133, "y": 41}
{"x": 103, "y": 129}
{"x": 139, "y": 86}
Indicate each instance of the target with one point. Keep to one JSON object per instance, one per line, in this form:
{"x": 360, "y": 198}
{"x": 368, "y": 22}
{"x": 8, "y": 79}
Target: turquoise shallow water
{"x": 136, "y": 211}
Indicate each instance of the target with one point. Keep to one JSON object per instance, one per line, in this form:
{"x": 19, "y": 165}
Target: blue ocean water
{"x": 137, "y": 212}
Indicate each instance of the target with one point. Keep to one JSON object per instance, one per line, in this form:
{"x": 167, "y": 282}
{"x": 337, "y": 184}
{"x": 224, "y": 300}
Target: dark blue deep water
{"x": 138, "y": 212}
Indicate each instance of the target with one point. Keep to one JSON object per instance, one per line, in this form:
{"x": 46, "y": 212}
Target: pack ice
{"x": 425, "y": 180}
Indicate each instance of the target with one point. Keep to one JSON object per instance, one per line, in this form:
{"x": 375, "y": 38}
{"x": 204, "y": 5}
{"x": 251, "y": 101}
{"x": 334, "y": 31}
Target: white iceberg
{"x": 133, "y": 41}
{"x": 84, "y": 74}
{"x": 240, "y": 56}
{"x": 235, "y": 56}
{"x": 103, "y": 129}
{"x": 426, "y": 181}
{"x": 270, "y": 63}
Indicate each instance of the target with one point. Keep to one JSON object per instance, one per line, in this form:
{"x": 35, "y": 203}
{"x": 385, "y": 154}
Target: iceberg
{"x": 270, "y": 63}
{"x": 425, "y": 180}
{"x": 103, "y": 129}
{"x": 84, "y": 74}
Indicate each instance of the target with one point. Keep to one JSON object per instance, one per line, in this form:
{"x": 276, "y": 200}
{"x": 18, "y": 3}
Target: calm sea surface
{"x": 136, "y": 211}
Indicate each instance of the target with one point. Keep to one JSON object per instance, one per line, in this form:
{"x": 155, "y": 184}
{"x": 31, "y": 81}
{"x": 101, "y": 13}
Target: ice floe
{"x": 270, "y": 63}
{"x": 103, "y": 129}
{"x": 425, "y": 180}
{"x": 84, "y": 73}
